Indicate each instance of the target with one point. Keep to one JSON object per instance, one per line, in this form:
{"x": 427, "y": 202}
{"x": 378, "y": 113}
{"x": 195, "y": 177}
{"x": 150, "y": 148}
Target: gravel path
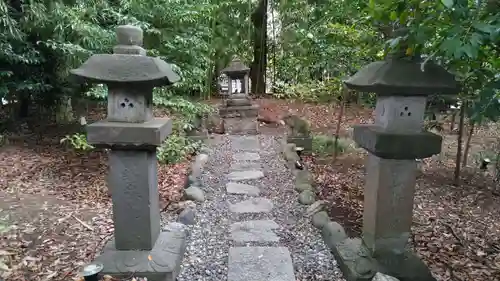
{"x": 218, "y": 246}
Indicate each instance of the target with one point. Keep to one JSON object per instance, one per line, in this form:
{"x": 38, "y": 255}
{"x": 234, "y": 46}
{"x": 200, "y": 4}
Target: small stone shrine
{"x": 394, "y": 141}
{"x": 139, "y": 246}
{"x": 241, "y": 114}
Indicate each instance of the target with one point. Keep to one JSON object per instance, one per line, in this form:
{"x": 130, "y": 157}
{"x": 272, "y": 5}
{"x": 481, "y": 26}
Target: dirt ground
{"x": 55, "y": 211}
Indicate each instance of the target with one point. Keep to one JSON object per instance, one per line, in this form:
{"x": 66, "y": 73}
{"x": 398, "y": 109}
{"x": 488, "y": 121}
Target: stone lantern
{"x": 130, "y": 131}
{"x": 394, "y": 142}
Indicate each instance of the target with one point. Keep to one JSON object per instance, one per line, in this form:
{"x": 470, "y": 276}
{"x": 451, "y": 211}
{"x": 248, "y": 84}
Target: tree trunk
{"x": 339, "y": 121}
{"x": 258, "y": 67}
{"x": 467, "y": 144}
{"x": 24, "y": 106}
{"x": 453, "y": 119}
{"x": 456, "y": 178}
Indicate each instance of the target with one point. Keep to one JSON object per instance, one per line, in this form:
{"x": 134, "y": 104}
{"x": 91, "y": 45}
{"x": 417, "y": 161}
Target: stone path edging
{"x": 332, "y": 232}
{"x": 193, "y": 186}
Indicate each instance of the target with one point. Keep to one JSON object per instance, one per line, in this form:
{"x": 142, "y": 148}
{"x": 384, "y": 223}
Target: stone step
{"x": 254, "y": 205}
{"x": 241, "y": 188}
{"x": 245, "y": 175}
{"x": 239, "y": 96}
{"x": 239, "y": 111}
{"x": 246, "y": 156}
{"x": 238, "y": 102}
{"x": 241, "y": 126}
{"x": 254, "y": 231}
{"x": 245, "y": 143}
{"x": 260, "y": 264}
{"x": 245, "y": 166}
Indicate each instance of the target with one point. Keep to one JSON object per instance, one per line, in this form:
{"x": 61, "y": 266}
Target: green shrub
{"x": 314, "y": 91}
{"x": 322, "y": 92}
{"x": 77, "y": 141}
{"x": 176, "y": 148}
{"x": 325, "y": 145}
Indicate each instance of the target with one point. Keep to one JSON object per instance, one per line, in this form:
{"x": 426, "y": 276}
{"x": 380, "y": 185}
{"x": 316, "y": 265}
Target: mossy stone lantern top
{"x": 403, "y": 77}
{"x": 130, "y": 76}
{"x": 402, "y": 86}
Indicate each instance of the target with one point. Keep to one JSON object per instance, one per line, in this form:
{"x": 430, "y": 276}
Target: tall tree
{"x": 259, "y": 64}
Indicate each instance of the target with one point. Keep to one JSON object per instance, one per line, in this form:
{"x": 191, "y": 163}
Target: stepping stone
{"x": 260, "y": 264}
{"x": 254, "y": 231}
{"x": 245, "y": 165}
{"x": 245, "y": 175}
{"x": 246, "y": 156}
{"x": 241, "y": 188}
{"x": 245, "y": 143}
{"x": 254, "y": 205}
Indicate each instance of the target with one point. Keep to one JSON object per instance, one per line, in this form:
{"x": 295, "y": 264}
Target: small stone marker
{"x": 241, "y": 188}
{"x": 246, "y": 156}
{"x": 260, "y": 264}
{"x": 254, "y": 231}
{"x": 254, "y": 205}
{"x": 245, "y": 175}
{"x": 132, "y": 133}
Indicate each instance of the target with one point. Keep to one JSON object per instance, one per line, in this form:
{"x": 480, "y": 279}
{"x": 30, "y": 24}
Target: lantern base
{"x": 162, "y": 263}
{"x": 357, "y": 264}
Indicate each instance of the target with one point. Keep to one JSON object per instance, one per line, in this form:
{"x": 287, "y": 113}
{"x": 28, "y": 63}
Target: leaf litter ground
{"x": 55, "y": 211}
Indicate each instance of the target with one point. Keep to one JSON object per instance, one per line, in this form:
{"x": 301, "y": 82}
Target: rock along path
{"x": 251, "y": 227}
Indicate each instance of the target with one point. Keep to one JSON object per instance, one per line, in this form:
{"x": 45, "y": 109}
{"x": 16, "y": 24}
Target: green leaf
{"x": 484, "y": 27}
{"x": 448, "y": 3}
{"x": 393, "y": 15}
{"x": 470, "y": 51}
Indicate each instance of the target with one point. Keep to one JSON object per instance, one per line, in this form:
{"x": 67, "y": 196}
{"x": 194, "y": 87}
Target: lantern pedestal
{"x": 356, "y": 263}
{"x": 161, "y": 263}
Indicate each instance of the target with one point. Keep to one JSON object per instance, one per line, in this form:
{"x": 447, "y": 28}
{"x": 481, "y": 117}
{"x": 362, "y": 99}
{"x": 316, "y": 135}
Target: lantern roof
{"x": 236, "y": 67}
{"x": 401, "y": 77}
{"x": 123, "y": 68}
